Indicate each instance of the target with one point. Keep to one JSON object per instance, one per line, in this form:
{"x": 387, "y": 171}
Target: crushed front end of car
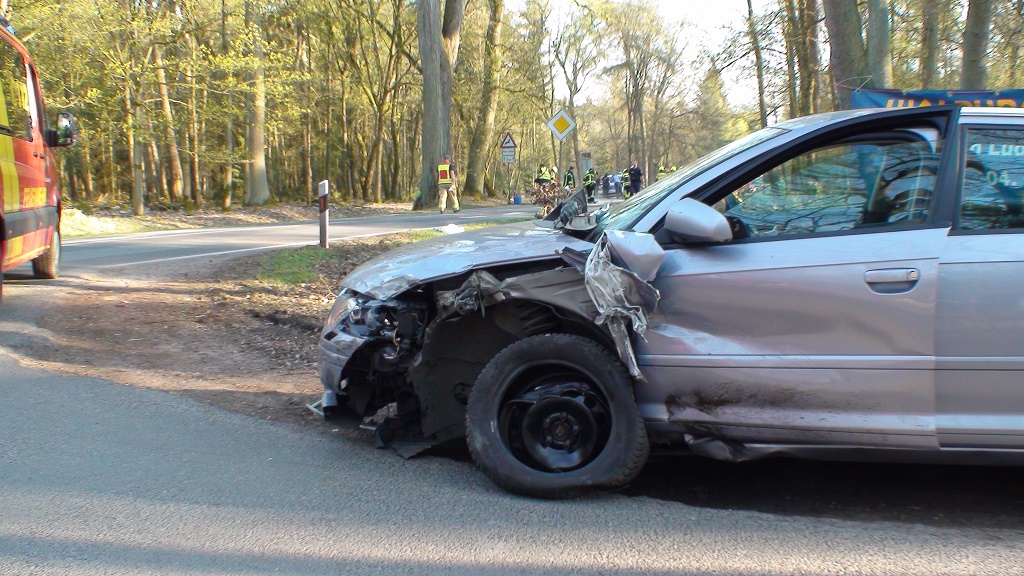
{"x": 403, "y": 348}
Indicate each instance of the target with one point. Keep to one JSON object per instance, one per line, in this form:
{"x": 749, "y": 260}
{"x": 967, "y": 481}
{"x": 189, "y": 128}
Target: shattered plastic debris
{"x": 451, "y": 229}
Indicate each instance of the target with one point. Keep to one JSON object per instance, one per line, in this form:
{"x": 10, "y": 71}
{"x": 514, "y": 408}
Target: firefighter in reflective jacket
{"x": 625, "y": 183}
{"x": 590, "y": 183}
{"x": 569, "y": 181}
{"x": 446, "y": 184}
{"x": 543, "y": 176}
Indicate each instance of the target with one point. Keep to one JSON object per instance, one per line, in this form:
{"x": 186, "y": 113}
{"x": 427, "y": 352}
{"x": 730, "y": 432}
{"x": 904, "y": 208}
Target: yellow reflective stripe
{"x": 444, "y": 174}
{"x": 14, "y": 248}
{"x": 9, "y": 171}
{"x": 4, "y": 120}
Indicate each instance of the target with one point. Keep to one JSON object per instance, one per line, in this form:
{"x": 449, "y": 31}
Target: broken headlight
{"x": 343, "y": 306}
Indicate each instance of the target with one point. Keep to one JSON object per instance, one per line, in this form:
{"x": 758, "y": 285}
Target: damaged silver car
{"x": 839, "y": 286}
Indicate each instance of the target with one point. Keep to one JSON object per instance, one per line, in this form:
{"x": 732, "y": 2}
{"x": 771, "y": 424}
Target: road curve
{"x": 156, "y": 247}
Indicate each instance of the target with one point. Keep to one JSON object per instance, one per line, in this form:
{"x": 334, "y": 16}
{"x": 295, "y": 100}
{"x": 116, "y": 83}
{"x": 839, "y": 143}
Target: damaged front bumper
{"x": 334, "y": 355}
{"x": 405, "y": 364}
{"x": 392, "y": 328}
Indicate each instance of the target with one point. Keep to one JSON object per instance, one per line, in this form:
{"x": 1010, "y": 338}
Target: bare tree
{"x": 879, "y": 45}
{"x": 849, "y": 55}
{"x": 755, "y": 46}
{"x": 257, "y": 186}
{"x": 929, "y": 42}
{"x": 177, "y": 177}
{"x": 484, "y": 129}
{"x": 439, "y": 49}
{"x": 576, "y": 51}
{"x": 975, "y": 46}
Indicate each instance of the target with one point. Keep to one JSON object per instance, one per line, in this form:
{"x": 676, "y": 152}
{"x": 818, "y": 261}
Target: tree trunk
{"x": 435, "y": 137}
{"x": 257, "y": 186}
{"x": 849, "y": 55}
{"x": 439, "y": 48}
{"x": 755, "y": 44}
{"x": 484, "y": 129}
{"x": 134, "y": 156}
{"x": 177, "y": 176}
{"x": 975, "y": 45}
{"x": 229, "y": 137}
{"x": 195, "y": 150}
{"x": 86, "y": 168}
{"x": 809, "y": 58}
{"x": 929, "y": 42}
{"x": 879, "y": 44}
{"x": 792, "y": 38}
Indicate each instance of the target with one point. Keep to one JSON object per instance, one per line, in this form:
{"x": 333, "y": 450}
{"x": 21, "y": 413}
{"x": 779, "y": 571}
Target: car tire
{"x": 47, "y": 266}
{"x": 554, "y": 416}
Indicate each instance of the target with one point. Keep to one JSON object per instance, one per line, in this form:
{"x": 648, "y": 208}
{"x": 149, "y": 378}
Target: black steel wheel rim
{"x": 555, "y": 423}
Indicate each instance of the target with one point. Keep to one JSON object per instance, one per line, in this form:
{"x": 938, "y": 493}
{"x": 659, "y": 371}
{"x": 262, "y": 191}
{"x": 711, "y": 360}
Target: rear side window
{"x": 993, "y": 180}
{"x": 15, "y": 115}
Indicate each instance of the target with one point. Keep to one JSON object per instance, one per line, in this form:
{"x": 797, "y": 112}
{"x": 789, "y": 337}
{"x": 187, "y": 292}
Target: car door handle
{"x": 892, "y": 280}
{"x": 892, "y": 275}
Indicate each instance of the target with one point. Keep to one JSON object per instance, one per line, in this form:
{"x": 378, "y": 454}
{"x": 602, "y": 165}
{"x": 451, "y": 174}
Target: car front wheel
{"x": 554, "y": 416}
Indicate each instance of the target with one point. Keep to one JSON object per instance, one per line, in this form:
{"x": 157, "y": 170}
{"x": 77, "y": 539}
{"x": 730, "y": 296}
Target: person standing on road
{"x": 590, "y": 183}
{"x": 617, "y": 180}
{"x": 636, "y": 178}
{"x": 569, "y": 180}
{"x": 606, "y": 184}
{"x": 446, "y": 184}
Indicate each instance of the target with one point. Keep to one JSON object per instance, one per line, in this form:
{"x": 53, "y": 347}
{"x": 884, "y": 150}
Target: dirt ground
{"x": 216, "y": 334}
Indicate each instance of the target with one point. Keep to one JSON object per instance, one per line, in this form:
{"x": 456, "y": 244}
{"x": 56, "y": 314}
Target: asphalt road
{"x": 99, "y": 254}
{"x": 100, "y": 478}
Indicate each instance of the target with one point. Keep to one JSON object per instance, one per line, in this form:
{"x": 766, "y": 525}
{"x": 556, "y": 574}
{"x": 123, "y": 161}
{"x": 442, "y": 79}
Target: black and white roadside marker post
{"x": 322, "y": 196}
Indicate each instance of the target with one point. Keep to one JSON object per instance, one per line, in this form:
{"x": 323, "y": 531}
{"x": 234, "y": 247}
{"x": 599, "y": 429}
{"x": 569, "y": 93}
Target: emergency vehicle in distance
{"x": 30, "y": 215}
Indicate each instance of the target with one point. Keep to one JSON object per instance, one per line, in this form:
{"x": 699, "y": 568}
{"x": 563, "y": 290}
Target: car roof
{"x": 804, "y": 122}
{"x": 991, "y": 111}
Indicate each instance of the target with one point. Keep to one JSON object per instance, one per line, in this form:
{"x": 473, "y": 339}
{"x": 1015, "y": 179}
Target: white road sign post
{"x": 323, "y": 191}
{"x": 561, "y": 125}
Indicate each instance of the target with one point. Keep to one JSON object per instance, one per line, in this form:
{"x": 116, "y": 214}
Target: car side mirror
{"x": 691, "y": 221}
{"x": 66, "y": 133}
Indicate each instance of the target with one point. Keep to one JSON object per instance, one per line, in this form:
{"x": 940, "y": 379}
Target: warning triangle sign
{"x": 508, "y": 142}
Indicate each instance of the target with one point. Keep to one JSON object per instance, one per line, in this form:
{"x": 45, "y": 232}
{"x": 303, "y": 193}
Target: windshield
{"x": 625, "y": 215}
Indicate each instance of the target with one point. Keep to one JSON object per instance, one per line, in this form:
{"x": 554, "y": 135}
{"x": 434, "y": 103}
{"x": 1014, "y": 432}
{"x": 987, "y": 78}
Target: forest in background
{"x": 183, "y": 103}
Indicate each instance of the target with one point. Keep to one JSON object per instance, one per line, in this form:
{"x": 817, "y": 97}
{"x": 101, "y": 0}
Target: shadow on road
{"x": 968, "y": 496}
{"x": 979, "y": 497}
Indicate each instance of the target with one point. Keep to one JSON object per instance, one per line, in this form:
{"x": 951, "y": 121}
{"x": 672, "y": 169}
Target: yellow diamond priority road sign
{"x": 561, "y": 125}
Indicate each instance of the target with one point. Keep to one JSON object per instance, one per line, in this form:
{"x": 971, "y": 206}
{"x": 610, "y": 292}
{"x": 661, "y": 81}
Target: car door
{"x": 816, "y": 324}
{"x": 980, "y": 320}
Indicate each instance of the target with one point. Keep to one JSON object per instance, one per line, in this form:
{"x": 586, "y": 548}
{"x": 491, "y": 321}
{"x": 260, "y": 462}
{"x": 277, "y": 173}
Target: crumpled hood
{"x": 396, "y": 271}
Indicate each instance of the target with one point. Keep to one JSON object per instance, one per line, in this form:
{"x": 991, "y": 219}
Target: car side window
{"x": 863, "y": 184}
{"x": 993, "y": 184}
{"x": 15, "y": 93}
